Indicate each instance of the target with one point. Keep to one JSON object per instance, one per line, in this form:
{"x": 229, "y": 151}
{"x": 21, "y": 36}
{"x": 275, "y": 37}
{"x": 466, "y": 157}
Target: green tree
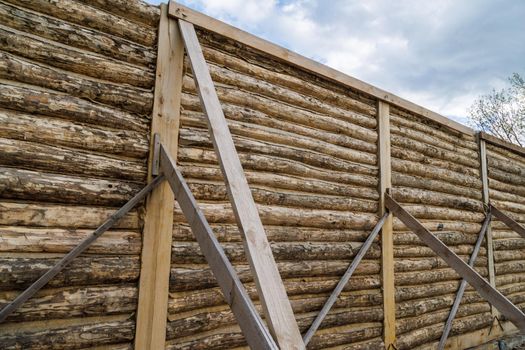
{"x": 502, "y": 113}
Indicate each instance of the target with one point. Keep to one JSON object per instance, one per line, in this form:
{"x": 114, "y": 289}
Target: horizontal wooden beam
{"x": 344, "y": 280}
{"x": 79, "y": 249}
{"x": 507, "y": 220}
{"x": 501, "y": 143}
{"x": 232, "y": 289}
{"x": 182, "y": 12}
{"x": 463, "y": 285}
{"x": 492, "y": 295}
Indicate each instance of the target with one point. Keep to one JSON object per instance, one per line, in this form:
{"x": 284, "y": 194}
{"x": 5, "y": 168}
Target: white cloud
{"x": 440, "y": 54}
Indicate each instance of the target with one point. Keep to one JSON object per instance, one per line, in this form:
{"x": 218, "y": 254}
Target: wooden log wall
{"x": 76, "y": 80}
{"x": 436, "y": 176}
{"x": 309, "y": 150}
{"x": 506, "y": 172}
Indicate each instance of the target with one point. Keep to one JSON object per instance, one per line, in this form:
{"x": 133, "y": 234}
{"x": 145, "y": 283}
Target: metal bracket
{"x": 155, "y": 166}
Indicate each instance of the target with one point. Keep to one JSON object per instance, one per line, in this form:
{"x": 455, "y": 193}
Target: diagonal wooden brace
{"x": 344, "y": 280}
{"x": 492, "y": 295}
{"x": 463, "y": 285}
{"x": 276, "y": 305}
{"x": 233, "y": 290}
{"x": 507, "y": 220}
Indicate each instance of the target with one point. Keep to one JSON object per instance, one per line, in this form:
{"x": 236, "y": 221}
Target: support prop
{"x": 507, "y": 220}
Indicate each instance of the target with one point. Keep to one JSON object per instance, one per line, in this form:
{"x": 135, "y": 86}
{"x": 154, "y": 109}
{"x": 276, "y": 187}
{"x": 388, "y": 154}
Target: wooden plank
{"x": 502, "y": 143}
{"x": 79, "y": 249}
{"x": 387, "y": 232}
{"x": 232, "y": 289}
{"x": 344, "y": 280}
{"x": 158, "y": 225}
{"x": 493, "y": 296}
{"x": 507, "y": 220}
{"x": 276, "y": 306}
{"x": 182, "y": 12}
{"x": 463, "y": 285}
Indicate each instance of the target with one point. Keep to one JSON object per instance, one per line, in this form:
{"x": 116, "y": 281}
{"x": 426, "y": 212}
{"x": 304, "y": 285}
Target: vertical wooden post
{"x": 486, "y": 201}
{"x": 158, "y": 225}
{"x": 387, "y": 239}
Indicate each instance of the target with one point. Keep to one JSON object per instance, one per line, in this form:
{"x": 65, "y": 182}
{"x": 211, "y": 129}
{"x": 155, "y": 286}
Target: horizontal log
{"x": 428, "y": 150}
{"x": 45, "y": 187}
{"x": 499, "y": 186}
{"x": 416, "y": 277}
{"x": 439, "y": 226}
{"x": 505, "y": 166}
{"x": 302, "y": 285}
{"x": 45, "y": 102}
{"x": 38, "y": 157}
{"x": 506, "y": 255}
{"x": 505, "y": 153}
{"x": 197, "y": 299}
{"x": 273, "y": 215}
{"x": 265, "y": 134}
{"x": 510, "y": 267}
{"x": 201, "y": 164}
{"x": 19, "y": 271}
{"x": 194, "y": 277}
{"x": 74, "y": 35}
{"x": 68, "y": 334}
{"x": 189, "y": 252}
{"x": 413, "y": 195}
{"x": 87, "y": 16}
{"x": 506, "y": 197}
{"x": 242, "y": 114}
{"x": 426, "y": 290}
{"x": 427, "y": 263}
{"x": 58, "y": 132}
{"x": 230, "y": 233}
{"x": 224, "y": 76}
{"x": 199, "y": 138}
{"x": 448, "y": 237}
{"x": 513, "y": 179}
{"x": 137, "y": 11}
{"x": 438, "y": 130}
{"x": 20, "y": 239}
{"x": 429, "y": 306}
{"x": 438, "y": 185}
{"x": 217, "y": 192}
{"x": 433, "y": 172}
{"x": 59, "y": 216}
{"x": 228, "y": 95}
{"x": 424, "y": 251}
{"x": 70, "y": 302}
{"x": 439, "y": 213}
{"x": 432, "y": 333}
{"x": 74, "y": 60}
{"x": 131, "y": 99}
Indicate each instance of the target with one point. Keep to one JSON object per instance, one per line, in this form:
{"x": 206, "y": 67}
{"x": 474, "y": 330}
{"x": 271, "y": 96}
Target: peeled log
{"x": 35, "y": 186}
{"x": 22, "y": 239}
{"x": 45, "y": 102}
{"x": 68, "y": 302}
{"x": 34, "y": 156}
{"x": 87, "y": 16}
{"x": 18, "y": 272}
{"x": 273, "y": 215}
{"x": 230, "y": 233}
{"x": 406, "y": 180}
{"x": 76, "y": 61}
{"x": 413, "y": 195}
{"x": 131, "y": 99}
{"x": 217, "y": 192}
{"x": 199, "y": 138}
{"x": 68, "y": 334}
{"x": 137, "y": 11}
{"x": 74, "y": 35}
{"x": 302, "y": 86}
{"x": 239, "y": 113}
{"x": 200, "y": 276}
{"x": 57, "y": 215}
{"x": 285, "y": 138}
{"x": 416, "y": 277}
{"x": 189, "y": 252}
{"x": 59, "y": 132}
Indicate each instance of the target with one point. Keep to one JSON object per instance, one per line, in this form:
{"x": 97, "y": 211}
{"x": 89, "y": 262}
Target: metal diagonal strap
{"x": 507, "y": 220}
{"x": 79, "y": 249}
{"x": 232, "y": 289}
{"x": 492, "y": 295}
{"x": 463, "y": 285}
{"x": 344, "y": 280}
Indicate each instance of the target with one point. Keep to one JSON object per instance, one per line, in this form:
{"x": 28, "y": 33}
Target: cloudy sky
{"x": 441, "y": 54}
